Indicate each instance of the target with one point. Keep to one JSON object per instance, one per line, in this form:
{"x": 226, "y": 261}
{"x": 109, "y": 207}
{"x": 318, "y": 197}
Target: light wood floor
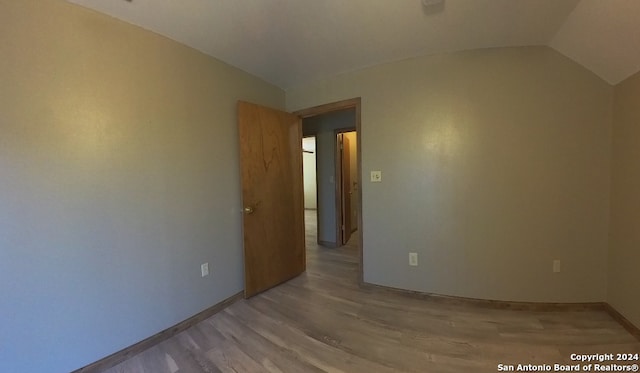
{"x": 323, "y": 322}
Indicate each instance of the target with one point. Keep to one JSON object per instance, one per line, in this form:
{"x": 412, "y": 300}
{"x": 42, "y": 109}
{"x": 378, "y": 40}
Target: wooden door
{"x": 345, "y": 176}
{"x": 272, "y": 196}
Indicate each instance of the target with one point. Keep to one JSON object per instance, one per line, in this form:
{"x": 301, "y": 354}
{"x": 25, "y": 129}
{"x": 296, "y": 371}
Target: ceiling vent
{"x": 430, "y": 3}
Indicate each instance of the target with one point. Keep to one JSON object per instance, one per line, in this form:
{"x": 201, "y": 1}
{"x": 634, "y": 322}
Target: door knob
{"x": 248, "y": 210}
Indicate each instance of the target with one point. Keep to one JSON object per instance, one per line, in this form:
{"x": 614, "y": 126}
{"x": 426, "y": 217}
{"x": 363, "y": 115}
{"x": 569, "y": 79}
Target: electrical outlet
{"x": 376, "y": 176}
{"x": 204, "y": 269}
{"x": 413, "y": 259}
{"x": 556, "y": 266}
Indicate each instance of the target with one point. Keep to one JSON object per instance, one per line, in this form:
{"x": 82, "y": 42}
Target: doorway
{"x": 346, "y": 166}
{"x": 338, "y": 192}
{"x": 272, "y": 190}
{"x": 336, "y": 162}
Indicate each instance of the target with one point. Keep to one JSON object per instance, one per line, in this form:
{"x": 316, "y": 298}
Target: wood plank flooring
{"x": 322, "y": 321}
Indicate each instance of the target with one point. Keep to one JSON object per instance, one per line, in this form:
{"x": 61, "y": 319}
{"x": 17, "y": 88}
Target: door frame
{"x": 353, "y": 103}
{"x": 338, "y": 182}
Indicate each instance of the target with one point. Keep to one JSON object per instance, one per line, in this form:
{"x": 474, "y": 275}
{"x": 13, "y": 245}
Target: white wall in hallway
{"x": 309, "y": 172}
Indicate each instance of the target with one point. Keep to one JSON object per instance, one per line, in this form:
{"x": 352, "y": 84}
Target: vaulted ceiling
{"x": 292, "y": 42}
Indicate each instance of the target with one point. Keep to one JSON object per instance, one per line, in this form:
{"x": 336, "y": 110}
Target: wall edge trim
{"x": 512, "y": 305}
{"x": 136, "y": 348}
{"x": 628, "y": 325}
{"x": 490, "y": 303}
{"x": 128, "y": 352}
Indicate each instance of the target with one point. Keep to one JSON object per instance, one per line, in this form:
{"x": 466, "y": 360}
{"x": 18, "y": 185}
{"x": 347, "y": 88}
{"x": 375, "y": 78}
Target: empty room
{"x": 152, "y": 207}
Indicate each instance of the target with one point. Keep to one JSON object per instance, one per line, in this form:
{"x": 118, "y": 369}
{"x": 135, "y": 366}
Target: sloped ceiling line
{"x": 293, "y": 42}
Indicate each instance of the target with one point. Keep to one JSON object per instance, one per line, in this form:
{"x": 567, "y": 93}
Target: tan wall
{"x": 494, "y": 162}
{"x": 119, "y": 176}
{"x": 624, "y": 251}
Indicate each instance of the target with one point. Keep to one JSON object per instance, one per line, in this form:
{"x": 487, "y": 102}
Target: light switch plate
{"x": 376, "y": 176}
{"x": 413, "y": 259}
{"x": 204, "y": 269}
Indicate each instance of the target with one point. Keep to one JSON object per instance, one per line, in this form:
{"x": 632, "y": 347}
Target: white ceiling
{"x": 603, "y": 36}
{"x": 292, "y": 42}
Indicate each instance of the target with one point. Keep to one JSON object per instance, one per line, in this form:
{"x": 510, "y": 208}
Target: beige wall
{"x": 624, "y": 251}
{"x": 119, "y": 176}
{"x": 494, "y": 162}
